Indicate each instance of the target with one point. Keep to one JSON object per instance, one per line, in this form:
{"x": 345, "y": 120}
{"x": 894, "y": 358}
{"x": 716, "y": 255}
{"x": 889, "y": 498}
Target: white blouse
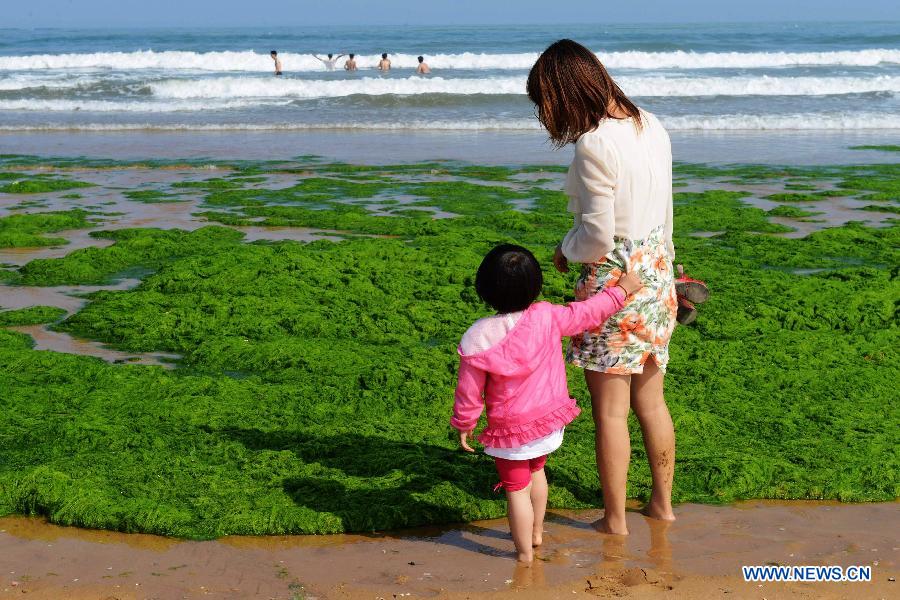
{"x": 619, "y": 186}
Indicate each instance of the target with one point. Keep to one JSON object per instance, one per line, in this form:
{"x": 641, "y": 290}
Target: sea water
{"x": 744, "y": 81}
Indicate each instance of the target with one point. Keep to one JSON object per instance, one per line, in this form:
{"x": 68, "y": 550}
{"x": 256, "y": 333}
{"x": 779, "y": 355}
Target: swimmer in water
{"x": 274, "y": 55}
{"x": 330, "y": 61}
{"x": 384, "y": 64}
{"x": 350, "y": 64}
{"x": 423, "y": 68}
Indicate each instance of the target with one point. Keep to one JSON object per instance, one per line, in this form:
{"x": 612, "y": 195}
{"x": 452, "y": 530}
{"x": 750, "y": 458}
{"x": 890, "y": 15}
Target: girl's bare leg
{"x": 539, "y": 505}
{"x": 521, "y": 522}
{"x": 659, "y": 437}
{"x": 610, "y": 398}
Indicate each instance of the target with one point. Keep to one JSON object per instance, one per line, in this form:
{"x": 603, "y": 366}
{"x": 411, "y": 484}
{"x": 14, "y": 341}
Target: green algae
{"x": 794, "y": 197}
{"x": 885, "y": 208}
{"x": 718, "y": 210}
{"x": 33, "y": 315}
{"x": 151, "y": 196}
{"x": 135, "y": 249}
{"x": 791, "y": 211}
{"x": 28, "y": 230}
{"x": 883, "y": 148}
{"x": 41, "y": 184}
{"x": 316, "y": 380}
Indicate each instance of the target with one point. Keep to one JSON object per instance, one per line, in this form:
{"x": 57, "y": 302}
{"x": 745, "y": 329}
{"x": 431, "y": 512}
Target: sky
{"x": 246, "y": 13}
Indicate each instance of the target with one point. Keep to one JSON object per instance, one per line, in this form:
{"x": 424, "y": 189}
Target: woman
{"x": 620, "y": 190}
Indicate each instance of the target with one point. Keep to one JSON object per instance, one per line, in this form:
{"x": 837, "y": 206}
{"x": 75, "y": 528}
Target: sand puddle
{"x": 834, "y": 211}
{"x": 71, "y": 299}
{"x": 697, "y": 556}
{"x": 58, "y": 341}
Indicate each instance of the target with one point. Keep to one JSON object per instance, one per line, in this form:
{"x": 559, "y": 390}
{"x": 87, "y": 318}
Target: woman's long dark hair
{"x": 573, "y": 92}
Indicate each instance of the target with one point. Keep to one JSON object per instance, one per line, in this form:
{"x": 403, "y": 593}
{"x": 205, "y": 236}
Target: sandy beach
{"x": 699, "y": 556}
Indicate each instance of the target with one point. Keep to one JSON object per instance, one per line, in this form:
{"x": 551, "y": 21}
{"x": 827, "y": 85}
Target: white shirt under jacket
{"x": 619, "y": 186}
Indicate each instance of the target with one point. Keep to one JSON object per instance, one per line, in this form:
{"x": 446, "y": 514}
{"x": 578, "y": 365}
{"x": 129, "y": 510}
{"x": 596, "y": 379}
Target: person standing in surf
{"x": 330, "y": 61}
{"x": 274, "y": 55}
{"x": 620, "y": 191}
{"x": 384, "y": 64}
{"x": 350, "y": 63}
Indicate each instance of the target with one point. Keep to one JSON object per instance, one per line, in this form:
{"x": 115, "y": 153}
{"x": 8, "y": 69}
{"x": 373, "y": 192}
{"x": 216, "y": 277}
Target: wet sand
{"x": 698, "y": 556}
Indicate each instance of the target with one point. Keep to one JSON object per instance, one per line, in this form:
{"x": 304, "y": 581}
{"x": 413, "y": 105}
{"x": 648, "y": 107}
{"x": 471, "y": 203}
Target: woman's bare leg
{"x": 610, "y": 398}
{"x": 659, "y": 437}
{"x": 539, "y": 505}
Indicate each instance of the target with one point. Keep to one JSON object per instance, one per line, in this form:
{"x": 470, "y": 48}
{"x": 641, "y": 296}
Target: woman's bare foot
{"x": 658, "y": 511}
{"x": 605, "y": 525}
{"x": 537, "y": 538}
{"x": 525, "y": 557}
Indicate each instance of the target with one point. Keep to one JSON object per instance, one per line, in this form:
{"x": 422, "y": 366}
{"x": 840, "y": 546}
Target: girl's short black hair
{"x": 509, "y": 278}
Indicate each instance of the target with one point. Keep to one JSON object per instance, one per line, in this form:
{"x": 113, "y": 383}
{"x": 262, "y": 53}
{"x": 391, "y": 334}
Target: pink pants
{"x": 515, "y": 475}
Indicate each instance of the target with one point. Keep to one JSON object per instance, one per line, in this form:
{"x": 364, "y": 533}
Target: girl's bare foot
{"x": 525, "y": 557}
{"x": 605, "y": 525}
{"x": 659, "y": 511}
{"x": 537, "y": 538}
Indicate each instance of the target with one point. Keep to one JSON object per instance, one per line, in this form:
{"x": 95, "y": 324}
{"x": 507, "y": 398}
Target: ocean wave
{"x": 248, "y": 60}
{"x": 733, "y": 122}
{"x": 237, "y": 87}
{"x": 111, "y": 106}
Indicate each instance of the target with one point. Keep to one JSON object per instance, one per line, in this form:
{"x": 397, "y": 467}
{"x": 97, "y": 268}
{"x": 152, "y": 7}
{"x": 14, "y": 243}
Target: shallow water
{"x": 58, "y": 341}
{"x": 705, "y": 542}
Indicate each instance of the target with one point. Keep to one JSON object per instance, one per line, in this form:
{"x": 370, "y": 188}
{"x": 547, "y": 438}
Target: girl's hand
{"x": 464, "y": 440}
{"x": 560, "y": 261}
{"x": 630, "y": 283}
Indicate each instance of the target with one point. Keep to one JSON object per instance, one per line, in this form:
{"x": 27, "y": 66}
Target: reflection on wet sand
{"x": 697, "y": 556}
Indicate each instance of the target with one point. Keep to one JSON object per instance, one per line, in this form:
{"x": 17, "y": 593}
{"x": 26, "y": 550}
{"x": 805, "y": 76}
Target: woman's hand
{"x": 560, "y": 261}
{"x": 464, "y": 440}
{"x": 630, "y": 283}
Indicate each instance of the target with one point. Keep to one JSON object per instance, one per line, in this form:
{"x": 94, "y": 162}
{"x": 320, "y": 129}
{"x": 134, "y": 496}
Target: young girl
{"x": 513, "y": 363}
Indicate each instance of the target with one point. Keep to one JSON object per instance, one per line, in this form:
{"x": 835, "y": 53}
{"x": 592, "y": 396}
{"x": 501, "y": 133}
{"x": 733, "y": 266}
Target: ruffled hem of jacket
{"x": 519, "y": 435}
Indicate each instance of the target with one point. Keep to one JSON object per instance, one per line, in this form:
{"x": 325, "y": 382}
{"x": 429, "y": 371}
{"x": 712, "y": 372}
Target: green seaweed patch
{"x": 791, "y": 211}
{"x": 793, "y": 197}
{"x": 27, "y": 230}
{"x": 38, "y": 185}
{"x": 799, "y": 186}
{"x": 317, "y": 378}
{"x": 145, "y": 249}
{"x": 718, "y": 210}
{"x": 33, "y": 315}
{"x": 881, "y": 147}
{"x": 152, "y": 196}
{"x": 882, "y": 208}
{"x": 882, "y": 187}
{"x": 74, "y": 196}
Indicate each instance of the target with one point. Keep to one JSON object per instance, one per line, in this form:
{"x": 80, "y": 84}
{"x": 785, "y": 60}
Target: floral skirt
{"x": 642, "y": 329}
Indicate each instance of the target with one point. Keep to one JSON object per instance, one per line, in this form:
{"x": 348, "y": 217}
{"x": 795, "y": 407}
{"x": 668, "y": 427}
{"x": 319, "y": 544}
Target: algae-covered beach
{"x": 301, "y": 318}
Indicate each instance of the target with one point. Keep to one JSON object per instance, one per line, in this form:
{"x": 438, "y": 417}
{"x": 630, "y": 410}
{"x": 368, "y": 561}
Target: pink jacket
{"x": 522, "y": 379}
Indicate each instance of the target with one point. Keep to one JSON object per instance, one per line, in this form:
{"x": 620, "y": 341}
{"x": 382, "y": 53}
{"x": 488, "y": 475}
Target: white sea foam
{"x": 107, "y": 106}
{"x": 733, "y": 122}
{"x": 248, "y": 60}
{"x": 238, "y": 87}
